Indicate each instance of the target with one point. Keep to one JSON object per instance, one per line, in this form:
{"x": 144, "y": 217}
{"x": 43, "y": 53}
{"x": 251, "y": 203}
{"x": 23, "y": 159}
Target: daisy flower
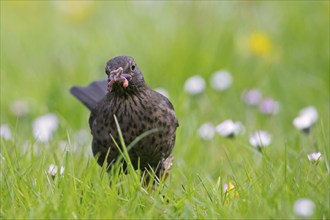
{"x": 306, "y": 119}
{"x": 304, "y": 207}
{"x": 251, "y": 97}
{"x": 260, "y": 139}
{"x": 5, "y": 132}
{"x": 194, "y": 85}
{"x": 44, "y": 126}
{"x": 206, "y": 131}
{"x": 221, "y": 80}
{"x": 229, "y": 128}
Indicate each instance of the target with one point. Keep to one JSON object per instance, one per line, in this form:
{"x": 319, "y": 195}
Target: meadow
{"x": 279, "y": 48}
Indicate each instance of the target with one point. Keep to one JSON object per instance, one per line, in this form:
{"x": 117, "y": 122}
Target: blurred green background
{"x": 279, "y": 47}
{"x": 282, "y": 48}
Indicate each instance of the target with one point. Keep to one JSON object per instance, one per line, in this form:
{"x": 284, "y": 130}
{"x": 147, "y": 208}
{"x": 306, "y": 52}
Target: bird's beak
{"x": 117, "y": 75}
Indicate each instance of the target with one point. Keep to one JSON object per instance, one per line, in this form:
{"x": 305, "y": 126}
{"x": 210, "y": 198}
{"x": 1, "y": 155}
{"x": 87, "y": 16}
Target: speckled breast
{"x": 136, "y": 115}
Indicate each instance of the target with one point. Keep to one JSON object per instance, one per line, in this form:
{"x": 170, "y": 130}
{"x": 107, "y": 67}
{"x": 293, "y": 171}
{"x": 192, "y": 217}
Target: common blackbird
{"x": 138, "y": 109}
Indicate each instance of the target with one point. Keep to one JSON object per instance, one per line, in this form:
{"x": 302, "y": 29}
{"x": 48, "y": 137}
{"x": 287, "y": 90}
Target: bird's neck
{"x": 133, "y": 89}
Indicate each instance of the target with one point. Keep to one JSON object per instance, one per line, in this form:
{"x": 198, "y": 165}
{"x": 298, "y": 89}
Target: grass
{"x": 47, "y": 49}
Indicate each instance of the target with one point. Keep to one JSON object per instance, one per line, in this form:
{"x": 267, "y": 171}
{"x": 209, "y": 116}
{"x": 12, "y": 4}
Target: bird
{"x": 138, "y": 109}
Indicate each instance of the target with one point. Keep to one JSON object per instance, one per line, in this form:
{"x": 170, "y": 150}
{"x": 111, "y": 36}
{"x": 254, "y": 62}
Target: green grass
{"x": 46, "y": 50}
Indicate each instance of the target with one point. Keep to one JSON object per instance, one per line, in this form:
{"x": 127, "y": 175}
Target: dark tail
{"x": 91, "y": 94}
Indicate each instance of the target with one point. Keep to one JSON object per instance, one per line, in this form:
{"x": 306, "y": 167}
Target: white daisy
{"x": 260, "y": 139}
{"x": 269, "y": 106}
{"x": 306, "y": 119}
{"x": 311, "y": 112}
{"x": 206, "y": 131}
{"x": 44, "y": 127}
{"x": 251, "y": 97}
{"x": 314, "y": 157}
{"x": 194, "y": 85}
{"x": 62, "y": 170}
{"x": 221, "y": 80}
{"x": 5, "y": 131}
{"x": 53, "y": 169}
{"x": 19, "y": 107}
{"x": 304, "y": 207}
{"x": 228, "y": 128}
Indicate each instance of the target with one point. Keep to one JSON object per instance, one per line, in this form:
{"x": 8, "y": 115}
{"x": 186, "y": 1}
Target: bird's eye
{"x": 133, "y": 67}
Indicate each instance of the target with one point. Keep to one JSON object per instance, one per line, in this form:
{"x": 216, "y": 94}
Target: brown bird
{"x": 138, "y": 109}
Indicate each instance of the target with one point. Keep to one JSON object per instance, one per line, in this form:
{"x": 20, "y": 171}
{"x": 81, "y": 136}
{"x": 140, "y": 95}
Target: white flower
{"x": 5, "y": 132}
{"x": 194, "y": 85}
{"x": 251, "y": 97}
{"x": 228, "y": 128}
{"x": 260, "y": 139}
{"x": 62, "y": 170}
{"x": 304, "y": 207}
{"x": 206, "y": 131}
{"x": 44, "y": 126}
{"x": 52, "y": 170}
{"x": 306, "y": 118}
{"x": 314, "y": 157}
{"x": 221, "y": 80}
{"x": 269, "y": 106}
{"x": 311, "y": 112}
{"x": 303, "y": 122}
{"x": 162, "y": 91}
{"x": 19, "y": 107}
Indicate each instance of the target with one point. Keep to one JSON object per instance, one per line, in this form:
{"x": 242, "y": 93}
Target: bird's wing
{"x": 91, "y": 94}
{"x": 167, "y": 103}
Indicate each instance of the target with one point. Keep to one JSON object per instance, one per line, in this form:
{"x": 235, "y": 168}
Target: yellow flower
{"x": 260, "y": 44}
{"x": 230, "y": 192}
{"x": 75, "y": 10}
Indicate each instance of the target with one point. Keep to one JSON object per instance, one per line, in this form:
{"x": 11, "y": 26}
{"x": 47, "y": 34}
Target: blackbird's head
{"x": 123, "y": 73}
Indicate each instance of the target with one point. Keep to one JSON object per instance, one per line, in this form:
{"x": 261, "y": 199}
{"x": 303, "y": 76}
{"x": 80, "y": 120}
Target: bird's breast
{"x": 136, "y": 115}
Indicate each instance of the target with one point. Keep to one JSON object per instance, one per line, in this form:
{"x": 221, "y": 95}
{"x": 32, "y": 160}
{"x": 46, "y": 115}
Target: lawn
{"x": 278, "y": 48}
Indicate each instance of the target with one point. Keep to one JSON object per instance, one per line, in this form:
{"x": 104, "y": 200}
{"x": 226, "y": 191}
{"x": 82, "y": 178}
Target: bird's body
{"x": 138, "y": 109}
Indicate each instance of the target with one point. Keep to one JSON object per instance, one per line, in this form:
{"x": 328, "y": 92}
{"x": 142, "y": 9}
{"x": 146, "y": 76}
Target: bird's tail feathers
{"x": 91, "y": 94}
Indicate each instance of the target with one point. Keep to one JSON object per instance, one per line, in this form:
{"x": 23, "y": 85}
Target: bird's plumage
{"x": 137, "y": 108}
{"x": 91, "y": 94}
